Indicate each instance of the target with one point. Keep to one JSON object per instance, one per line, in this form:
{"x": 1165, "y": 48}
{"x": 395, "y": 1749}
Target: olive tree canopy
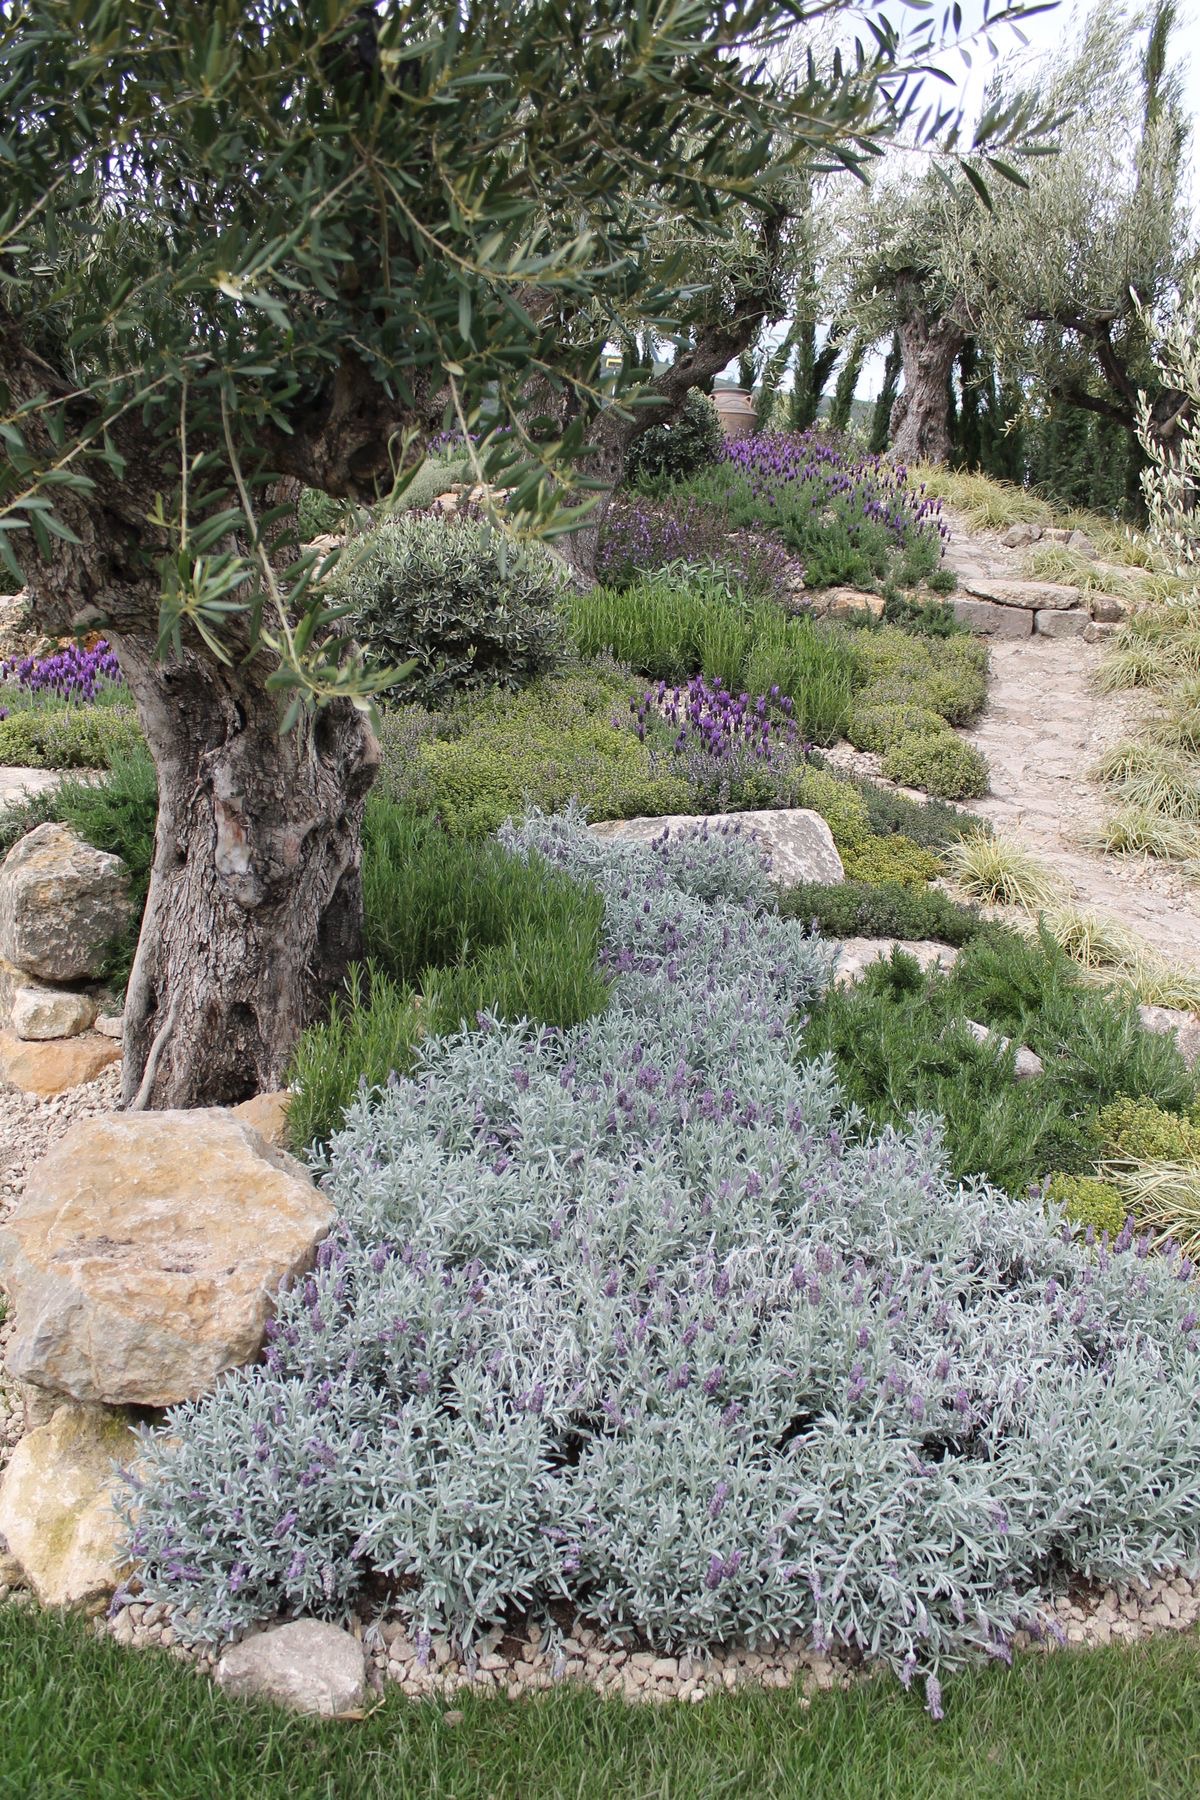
{"x": 249, "y": 246}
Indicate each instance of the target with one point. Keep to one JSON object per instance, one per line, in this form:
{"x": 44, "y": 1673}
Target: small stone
{"x": 307, "y": 1666}
{"x": 112, "y": 1025}
{"x": 1020, "y": 535}
{"x": 1185, "y": 1027}
{"x": 664, "y": 1668}
{"x": 50, "y": 1068}
{"x": 40, "y": 1013}
{"x": 1026, "y": 1063}
{"x": 1081, "y": 544}
{"x": 1106, "y": 609}
{"x": 267, "y": 1114}
{"x": 453, "y": 1718}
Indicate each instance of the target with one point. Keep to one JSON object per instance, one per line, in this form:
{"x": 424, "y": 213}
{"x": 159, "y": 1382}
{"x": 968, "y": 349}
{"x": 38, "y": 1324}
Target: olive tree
{"x": 1054, "y": 274}
{"x": 257, "y": 244}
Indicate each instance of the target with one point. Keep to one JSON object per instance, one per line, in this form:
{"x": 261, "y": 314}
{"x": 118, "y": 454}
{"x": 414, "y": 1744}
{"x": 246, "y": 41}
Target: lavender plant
{"x": 75, "y": 672}
{"x": 633, "y": 1316}
{"x": 846, "y": 518}
{"x": 641, "y": 536}
{"x": 733, "y": 750}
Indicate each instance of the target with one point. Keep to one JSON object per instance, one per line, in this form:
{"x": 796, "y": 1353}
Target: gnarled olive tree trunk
{"x": 920, "y": 423}
{"x": 255, "y": 904}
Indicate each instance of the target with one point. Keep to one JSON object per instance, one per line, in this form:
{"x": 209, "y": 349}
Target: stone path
{"x": 1044, "y": 728}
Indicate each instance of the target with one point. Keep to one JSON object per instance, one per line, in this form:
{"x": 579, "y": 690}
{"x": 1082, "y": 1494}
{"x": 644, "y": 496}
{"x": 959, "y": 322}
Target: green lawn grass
{"x": 80, "y": 1717}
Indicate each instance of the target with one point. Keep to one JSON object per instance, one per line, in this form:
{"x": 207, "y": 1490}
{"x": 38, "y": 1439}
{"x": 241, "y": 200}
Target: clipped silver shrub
{"x": 633, "y": 1316}
{"x": 449, "y": 594}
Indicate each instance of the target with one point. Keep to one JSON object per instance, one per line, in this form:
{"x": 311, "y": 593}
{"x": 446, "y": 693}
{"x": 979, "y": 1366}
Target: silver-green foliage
{"x": 633, "y": 1316}
{"x": 452, "y": 596}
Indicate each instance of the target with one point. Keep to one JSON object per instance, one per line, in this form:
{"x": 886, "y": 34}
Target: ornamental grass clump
{"x": 633, "y": 1318}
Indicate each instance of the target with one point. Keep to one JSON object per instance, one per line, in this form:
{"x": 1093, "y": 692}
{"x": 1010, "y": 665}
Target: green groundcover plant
{"x": 900, "y": 1043}
{"x": 634, "y": 1317}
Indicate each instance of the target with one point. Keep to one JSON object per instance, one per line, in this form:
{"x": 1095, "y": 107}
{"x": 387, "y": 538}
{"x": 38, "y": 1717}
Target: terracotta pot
{"x": 735, "y": 408}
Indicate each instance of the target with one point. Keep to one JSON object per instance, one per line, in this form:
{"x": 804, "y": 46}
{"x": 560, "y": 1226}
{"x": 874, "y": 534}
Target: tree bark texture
{"x": 255, "y": 902}
{"x": 920, "y": 423}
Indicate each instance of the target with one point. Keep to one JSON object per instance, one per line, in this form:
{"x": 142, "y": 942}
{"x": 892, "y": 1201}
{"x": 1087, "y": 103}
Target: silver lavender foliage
{"x": 637, "y": 1316}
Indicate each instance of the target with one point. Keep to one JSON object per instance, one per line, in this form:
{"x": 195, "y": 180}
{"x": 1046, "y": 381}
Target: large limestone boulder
{"x": 61, "y": 905}
{"x": 56, "y": 1504}
{"x": 307, "y": 1666}
{"x": 856, "y": 956}
{"x": 50, "y": 1068}
{"x": 143, "y": 1256}
{"x": 990, "y": 620}
{"x": 798, "y": 843}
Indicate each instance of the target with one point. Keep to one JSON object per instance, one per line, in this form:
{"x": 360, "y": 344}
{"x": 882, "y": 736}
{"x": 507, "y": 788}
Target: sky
{"x": 1047, "y": 33}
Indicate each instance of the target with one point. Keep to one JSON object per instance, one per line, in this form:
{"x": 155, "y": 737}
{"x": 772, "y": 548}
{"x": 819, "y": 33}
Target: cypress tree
{"x": 881, "y": 417}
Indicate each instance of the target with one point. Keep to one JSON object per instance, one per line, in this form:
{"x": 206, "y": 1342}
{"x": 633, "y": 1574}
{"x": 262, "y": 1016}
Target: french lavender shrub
{"x": 641, "y": 536}
{"x": 631, "y": 1316}
{"x": 72, "y": 673}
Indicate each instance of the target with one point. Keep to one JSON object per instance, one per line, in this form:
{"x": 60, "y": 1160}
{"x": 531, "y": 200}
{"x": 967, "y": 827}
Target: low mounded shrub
{"x": 673, "y": 451}
{"x": 1143, "y": 1132}
{"x": 888, "y": 909}
{"x": 944, "y": 765}
{"x": 452, "y": 595}
{"x": 894, "y": 858}
{"x": 623, "y": 1318}
{"x": 563, "y": 737}
{"x": 68, "y": 736}
{"x": 1094, "y": 1205}
{"x": 639, "y": 537}
{"x": 931, "y": 822}
{"x": 877, "y": 725}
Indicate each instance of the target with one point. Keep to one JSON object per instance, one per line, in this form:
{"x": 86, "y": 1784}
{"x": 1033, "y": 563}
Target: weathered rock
{"x": 1031, "y": 596}
{"x": 1081, "y": 544}
{"x": 1026, "y": 1063}
{"x": 991, "y": 620}
{"x": 267, "y": 1114}
{"x": 1057, "y": 534}
{"x": 18, "y": 630}
{"x": 856, "y": 955}
{"x": 1072, "y": 623}
{"x": 142, "y": 1258}
{"x": 844, "y": 603}
{"x": 56, "y": 1504}
{"x": 1018, "y": 536}
{"x": 307, "y": 1666}
{"x": 112, "y": 1025}
{"x": 798, "y": 844}
{"x": 61, "y": 904}
{"x": 53, "y": 1066}
{"x": 1095, "y": 632}
{"x": 1184, "y": 1026}
{"x": 1107, "y": 609}
{"x": 41, "y": 1013}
